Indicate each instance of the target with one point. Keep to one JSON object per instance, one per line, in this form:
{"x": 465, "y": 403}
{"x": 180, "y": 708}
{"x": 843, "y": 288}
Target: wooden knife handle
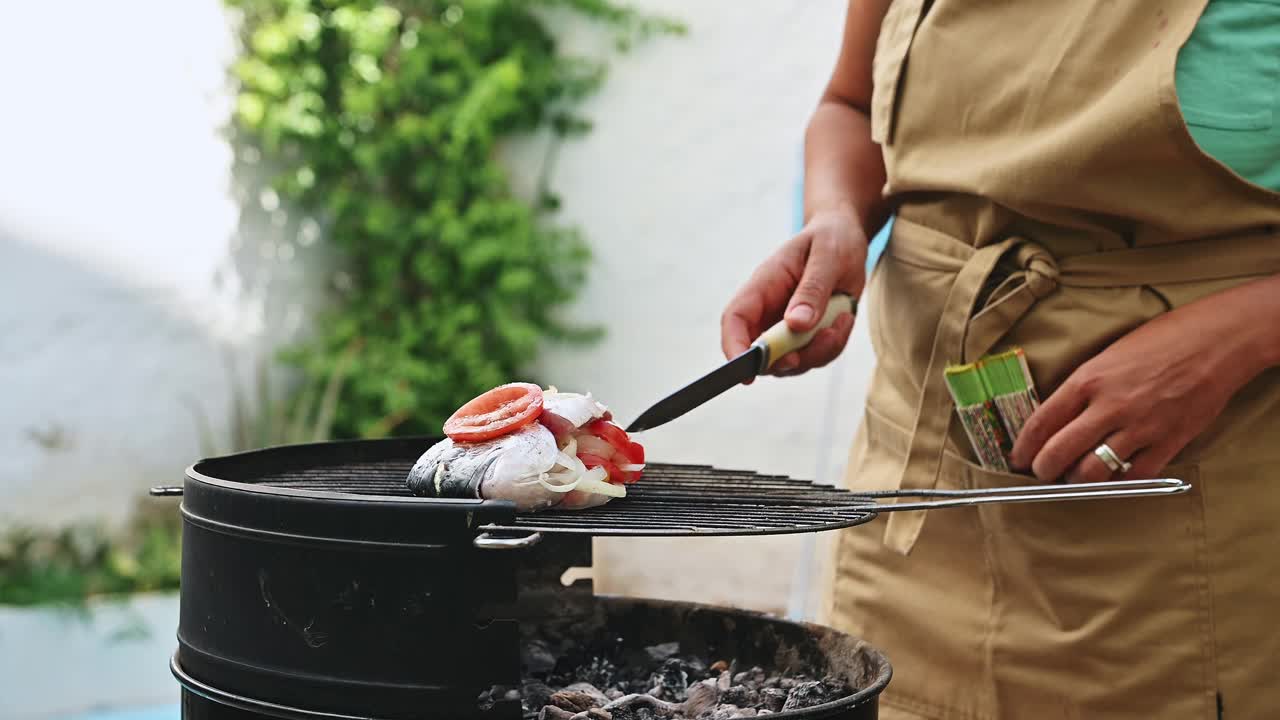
{"x": 779, "y": 340}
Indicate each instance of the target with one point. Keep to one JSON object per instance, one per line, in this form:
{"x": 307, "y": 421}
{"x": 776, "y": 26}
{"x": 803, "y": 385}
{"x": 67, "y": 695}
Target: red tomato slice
{"x": 610, "y": 433}
{"x": 634, "y": 453}
{"x": 499, "y": 411}
{"x": 592, "y": 461}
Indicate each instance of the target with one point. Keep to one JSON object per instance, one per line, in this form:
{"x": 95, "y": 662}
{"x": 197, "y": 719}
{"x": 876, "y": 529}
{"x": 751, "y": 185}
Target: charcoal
{"x": 568, "y": 679}
{"x": 670, "y": 681}
{"x": 740, "y": 695}
{"x": 590, "y": 690}
{"x": 599, "y": 672}
{"x": 773, "y": 699}
{"x": 701, "y": 698}
{"x": 536, "y": 695}
{"x": 574, "y": 702}
{"x": 808, "y": 694}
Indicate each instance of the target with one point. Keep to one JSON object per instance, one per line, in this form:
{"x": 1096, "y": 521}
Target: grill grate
{"x": 670, "y": 500}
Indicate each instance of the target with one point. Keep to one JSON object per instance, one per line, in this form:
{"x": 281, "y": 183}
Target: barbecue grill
{"x": 314, "y": 585}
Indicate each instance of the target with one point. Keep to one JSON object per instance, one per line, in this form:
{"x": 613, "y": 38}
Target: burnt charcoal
{"x": 641, "y": 707}
{"x": 588, "y": 689}
{"x": 512, "y": 695}
{"x": 574, "y": 702}
{"x": 670, "y": 681}
{"x": 808, "y": 694}
{"x": 701, "y": 698}
{"x": 740, "y": 695}
{"x": 536, "y": 695}
{"x": 599, "y": 672}
{"x": 537, "y": 659}
{"x": 773, "y": 699}
{"x": 665, "y": 651}
{"x": 753, "y": 678}
{"x": 611, "y": 680}
{"x": 551, "y": 712}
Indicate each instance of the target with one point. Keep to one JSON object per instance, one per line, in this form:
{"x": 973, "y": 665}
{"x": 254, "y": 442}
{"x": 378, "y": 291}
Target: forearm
{"x": 844, "y": 169}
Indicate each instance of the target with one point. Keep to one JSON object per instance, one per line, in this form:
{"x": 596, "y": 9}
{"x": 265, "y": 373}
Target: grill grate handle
{"x": 1023, "y": 493}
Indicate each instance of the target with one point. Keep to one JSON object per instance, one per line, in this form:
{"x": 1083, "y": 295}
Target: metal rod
{"x": 1027, "y": 493}
{"x": 166, "y": 491}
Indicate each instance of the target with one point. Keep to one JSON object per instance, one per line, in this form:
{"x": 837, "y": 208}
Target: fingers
{"x": 1052, "y": 416}
{"x": 825, "y": 347}
{"x": 1091, "y": 468}
{"x": 823, "y": 267}
{"x": 740, "y": 323}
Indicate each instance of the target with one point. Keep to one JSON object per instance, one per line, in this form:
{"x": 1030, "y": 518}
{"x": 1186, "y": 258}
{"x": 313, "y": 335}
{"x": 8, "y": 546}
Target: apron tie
{"x": 956, "y": 339}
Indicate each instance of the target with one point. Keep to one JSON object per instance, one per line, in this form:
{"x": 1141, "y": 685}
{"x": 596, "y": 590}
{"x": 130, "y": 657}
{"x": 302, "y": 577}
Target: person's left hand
{"x": 1146, "y": 396}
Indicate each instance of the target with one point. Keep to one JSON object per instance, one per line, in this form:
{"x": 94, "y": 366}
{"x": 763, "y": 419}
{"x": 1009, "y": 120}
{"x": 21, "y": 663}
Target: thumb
{"x": 809, "y": 301}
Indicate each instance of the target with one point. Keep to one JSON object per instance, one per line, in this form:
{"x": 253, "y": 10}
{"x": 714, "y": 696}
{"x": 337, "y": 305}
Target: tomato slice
{"x": 592, "y": 461}
{"x": 634, "y": 453}
{"x": 611, "y": 434}
{"x": 495, "y": 413}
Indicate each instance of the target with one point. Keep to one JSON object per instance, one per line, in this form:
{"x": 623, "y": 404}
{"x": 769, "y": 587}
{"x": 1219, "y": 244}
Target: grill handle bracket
{"x": 1025, "y": 493}
{"x": 489, "y": 541}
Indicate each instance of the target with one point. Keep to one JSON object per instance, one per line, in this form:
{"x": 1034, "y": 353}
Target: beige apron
{"x": 1050, "y": 196}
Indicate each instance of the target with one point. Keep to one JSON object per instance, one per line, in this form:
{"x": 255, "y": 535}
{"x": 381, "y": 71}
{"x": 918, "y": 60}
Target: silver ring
{"x": 1111, "y": 460}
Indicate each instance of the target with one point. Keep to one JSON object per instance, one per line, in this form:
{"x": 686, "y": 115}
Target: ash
{"x": 658, "y": 682}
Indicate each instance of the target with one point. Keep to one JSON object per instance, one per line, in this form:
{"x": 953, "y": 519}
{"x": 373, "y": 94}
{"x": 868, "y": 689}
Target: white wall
{"x": 119, "y": 205}
{"x": 132, "y": 257}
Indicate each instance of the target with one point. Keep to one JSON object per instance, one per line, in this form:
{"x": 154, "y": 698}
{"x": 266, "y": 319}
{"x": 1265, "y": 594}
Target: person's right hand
{"x": 828, "y": 255}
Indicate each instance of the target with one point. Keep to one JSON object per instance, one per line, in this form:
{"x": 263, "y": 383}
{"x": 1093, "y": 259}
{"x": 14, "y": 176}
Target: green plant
{"x": 385, "y": 117}
{"x": 71, "y": 565}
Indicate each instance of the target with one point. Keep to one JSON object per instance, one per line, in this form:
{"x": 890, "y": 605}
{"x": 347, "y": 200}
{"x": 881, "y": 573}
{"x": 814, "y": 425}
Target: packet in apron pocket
{"x": 994, "y": 397}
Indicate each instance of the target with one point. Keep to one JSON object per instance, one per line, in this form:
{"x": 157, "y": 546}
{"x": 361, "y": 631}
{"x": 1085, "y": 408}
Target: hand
{"x": 1147, "y": 396}
{"x": 828, "y": 255}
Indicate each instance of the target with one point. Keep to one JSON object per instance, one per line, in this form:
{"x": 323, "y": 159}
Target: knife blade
{"x": 774, "y": 343}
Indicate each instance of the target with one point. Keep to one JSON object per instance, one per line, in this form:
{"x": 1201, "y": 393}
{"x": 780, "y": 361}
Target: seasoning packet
{"x": 979, "y": 416}
{"x": 994, "y": 397}
{"x": 1009, "y": 385}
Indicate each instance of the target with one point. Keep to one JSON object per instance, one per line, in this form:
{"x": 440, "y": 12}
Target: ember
{"x": 658, "y": 683}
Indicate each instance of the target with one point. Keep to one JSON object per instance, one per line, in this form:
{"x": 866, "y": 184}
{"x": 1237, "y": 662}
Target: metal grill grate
{"x": 669, "y": 500}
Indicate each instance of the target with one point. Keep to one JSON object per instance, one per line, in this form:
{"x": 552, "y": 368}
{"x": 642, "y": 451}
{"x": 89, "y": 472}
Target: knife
{"x": 776, "y": 342}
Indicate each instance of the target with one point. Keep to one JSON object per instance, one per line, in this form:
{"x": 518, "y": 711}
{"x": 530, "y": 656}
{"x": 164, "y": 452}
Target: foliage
{"x": 72, "y": 565}
{"x": 385, "y": 117}
{"x": 272, "y": 418}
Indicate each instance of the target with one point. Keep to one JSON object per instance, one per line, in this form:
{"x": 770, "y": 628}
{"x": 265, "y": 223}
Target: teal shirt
{"x": 1228, "y": 81}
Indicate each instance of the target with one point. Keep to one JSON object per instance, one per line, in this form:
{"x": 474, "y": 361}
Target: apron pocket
{"x": 1101, "y": 607}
